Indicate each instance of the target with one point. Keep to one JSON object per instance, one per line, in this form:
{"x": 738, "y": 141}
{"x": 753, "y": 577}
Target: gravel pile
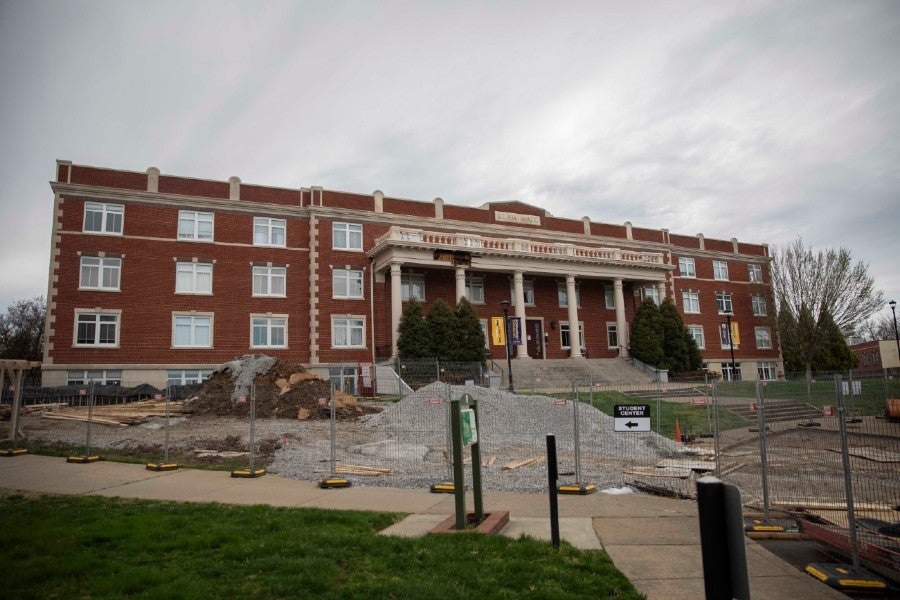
{"x": 410, "y": 438}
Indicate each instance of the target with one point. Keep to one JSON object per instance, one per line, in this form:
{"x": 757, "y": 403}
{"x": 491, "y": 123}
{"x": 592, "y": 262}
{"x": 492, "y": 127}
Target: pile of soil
{"x": 285, "y": 390}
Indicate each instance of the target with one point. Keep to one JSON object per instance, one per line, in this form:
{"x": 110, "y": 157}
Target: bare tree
{"x": 876, "y": 329}
{"x": 811, "y": 287}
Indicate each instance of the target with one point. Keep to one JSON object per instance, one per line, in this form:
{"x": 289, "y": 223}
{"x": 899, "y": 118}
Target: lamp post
{"x": 893, "y": 305}
{"x": 505, "y": 304}
{"x": 731, "y": 343}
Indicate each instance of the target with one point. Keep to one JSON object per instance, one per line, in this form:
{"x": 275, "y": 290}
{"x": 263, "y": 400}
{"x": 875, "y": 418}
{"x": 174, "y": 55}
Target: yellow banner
{"x": 498, "y": 331}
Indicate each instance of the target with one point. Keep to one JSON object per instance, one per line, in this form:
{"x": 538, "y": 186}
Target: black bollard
{"x": 553, "y": 476}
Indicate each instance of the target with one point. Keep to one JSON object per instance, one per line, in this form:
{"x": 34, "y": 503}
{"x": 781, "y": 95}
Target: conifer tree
{"x": 646, "y": 334}
{"x": 413, "y": 340}
{"x": 679, "y": 347}
{"x": 441, "y": 331}
{"x": 469, "y": 337}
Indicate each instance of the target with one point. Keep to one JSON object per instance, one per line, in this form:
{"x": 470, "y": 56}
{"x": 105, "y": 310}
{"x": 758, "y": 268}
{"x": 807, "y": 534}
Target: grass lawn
{"x": 691, "y": 419}
{"x": 869, "y": 401}
{"x": 92, "y": 547}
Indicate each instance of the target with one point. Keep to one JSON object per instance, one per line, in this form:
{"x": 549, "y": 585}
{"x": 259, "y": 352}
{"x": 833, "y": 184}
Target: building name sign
{"x": 508, "y": 217}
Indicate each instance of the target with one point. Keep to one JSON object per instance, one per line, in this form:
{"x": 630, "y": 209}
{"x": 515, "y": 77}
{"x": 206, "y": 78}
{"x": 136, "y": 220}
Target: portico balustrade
{"x": 499, "y": 246}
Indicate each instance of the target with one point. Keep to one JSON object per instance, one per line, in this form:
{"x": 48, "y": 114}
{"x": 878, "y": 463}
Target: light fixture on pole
{"x": 505, "y": 304}
{"x": 731, "y": 343}
{"x": 893, "y": 305}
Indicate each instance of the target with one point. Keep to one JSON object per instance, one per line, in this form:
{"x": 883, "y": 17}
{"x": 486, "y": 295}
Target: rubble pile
{"x": 283, "y": 390}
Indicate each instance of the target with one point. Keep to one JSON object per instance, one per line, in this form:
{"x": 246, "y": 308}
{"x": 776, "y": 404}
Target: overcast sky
{"x": 755, "y": 120}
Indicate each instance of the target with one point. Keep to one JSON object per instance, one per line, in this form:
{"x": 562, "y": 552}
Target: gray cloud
{"x": 759, "y": 121}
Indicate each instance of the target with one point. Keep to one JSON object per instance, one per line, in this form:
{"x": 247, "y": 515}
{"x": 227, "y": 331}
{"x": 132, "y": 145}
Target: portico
{"x": 466, "y": 255}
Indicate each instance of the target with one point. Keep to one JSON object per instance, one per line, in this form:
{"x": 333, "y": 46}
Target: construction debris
{"x": 116, "y": 415}
{"x": 357, "y": 470}
{"x": 528, "y": 462}
{"x": 281, "y": 389}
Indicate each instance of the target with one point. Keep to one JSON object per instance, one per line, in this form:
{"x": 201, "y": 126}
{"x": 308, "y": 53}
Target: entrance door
{"x": 535, "y": 332}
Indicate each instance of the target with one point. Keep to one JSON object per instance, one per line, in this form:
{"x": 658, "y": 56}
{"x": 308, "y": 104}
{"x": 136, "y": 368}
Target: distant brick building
{"x": 157, "y": 278}
{"x": 876, "y": 357}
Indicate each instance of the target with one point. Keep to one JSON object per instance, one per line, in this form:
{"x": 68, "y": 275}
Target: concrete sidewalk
{"x": 654, "y": 541}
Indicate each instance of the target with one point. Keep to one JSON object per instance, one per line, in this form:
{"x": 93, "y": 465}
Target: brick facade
{"x": 497, "y": 240}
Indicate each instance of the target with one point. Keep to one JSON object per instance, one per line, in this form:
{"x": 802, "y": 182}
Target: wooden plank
{"x": 872, "y": 453}
{"x": 527, "y": 462}
{"x": 672, "y": 472}
{"x": 694, "y": 465}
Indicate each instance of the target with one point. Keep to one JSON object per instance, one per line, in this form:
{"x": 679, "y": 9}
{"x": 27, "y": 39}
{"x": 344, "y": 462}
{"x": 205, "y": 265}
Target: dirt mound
{"x": 283, "y": 390}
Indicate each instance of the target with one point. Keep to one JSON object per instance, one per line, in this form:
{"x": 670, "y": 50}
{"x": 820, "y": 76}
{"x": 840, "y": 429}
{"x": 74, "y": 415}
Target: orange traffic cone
{"x": 677, "y": 432}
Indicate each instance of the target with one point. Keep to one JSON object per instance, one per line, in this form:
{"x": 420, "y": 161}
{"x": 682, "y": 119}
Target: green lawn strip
{"x": 692, "y": 419}
{"x": 819, "y": 393}
{"x": 93, "y": 547}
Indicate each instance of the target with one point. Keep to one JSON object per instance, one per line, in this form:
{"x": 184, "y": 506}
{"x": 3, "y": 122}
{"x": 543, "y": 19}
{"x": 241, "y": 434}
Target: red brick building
{"x": 157, "y": 278}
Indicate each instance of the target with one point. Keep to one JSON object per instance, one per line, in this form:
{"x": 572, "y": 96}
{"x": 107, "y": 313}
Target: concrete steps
{"x": 562, "y": 372}
{"x": 778, "y": 410}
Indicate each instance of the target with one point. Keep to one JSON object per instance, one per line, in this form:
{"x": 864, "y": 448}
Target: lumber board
{"x": 672, "y": 472}
{"x": 527, "y": 462}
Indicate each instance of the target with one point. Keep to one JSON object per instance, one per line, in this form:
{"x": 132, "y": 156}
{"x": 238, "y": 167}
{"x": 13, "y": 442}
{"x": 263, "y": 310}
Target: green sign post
{"x": 464, "y": 431}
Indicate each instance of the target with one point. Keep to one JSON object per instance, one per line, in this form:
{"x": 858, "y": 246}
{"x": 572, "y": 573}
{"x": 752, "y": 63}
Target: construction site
{"x": 304, "y": 427}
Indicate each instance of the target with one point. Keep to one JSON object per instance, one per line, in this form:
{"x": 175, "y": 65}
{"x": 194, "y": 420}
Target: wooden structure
{"x": 16, "y": 370}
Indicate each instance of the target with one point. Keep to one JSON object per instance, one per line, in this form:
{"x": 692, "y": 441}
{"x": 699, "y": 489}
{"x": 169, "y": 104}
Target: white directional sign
{"x": 631, "y": 417}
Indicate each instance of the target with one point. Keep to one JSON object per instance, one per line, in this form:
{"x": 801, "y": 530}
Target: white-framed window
{"x": 696, "y": 332}
{"x": 876, "y": 358}
{"x": 651, "y": 292}
{"x": 97, "y": 328}
{"x": 475, "y": 289}
{"x": 103, "y": 218}
{"x": 268, "y": 331}
{"x": 412, "y": 286}
{"x": 727, "y": 373}
{"x": 192, "y": 331}
{"x": 691, "y": 302}
{"x": 562, "y": 294}
{"x": 767, "y": 371}
{"x": 100, "y": 273}
{"x": 193, "y": 277}
{"x": 754, "y": 273}
{"x": 527, "y": 291}
{"x": 269, "y": 232}
{"x": 346, "y": 236}
{"x": 193, "y": 225}
{"x": 727, "y": 337}
{"x": 348, "y": 332}
{"x": 612, "y": 335}
{"x": 686, "y": 267}
{"x": 564, "y": 335}
{"x": 100, "y": 377}
{"x": 865, "y": 359}
{"x": 763, "y": 338}
{"x": 723, "y": 303}
{"x": 269, "y": 281}
{"x": 347, "y": 283}
{"x": 609, "y": 297}
{"x": 759, "y": 305}
{"x": 720, "y": 270}
{"x": 187, "y": 376}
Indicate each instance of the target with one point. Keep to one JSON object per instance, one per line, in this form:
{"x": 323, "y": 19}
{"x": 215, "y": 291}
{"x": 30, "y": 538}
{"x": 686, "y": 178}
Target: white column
{"x": 572, "y": 301}
{"x": 621, "y": 325}
{"x": 396, "y": 306}
{"x": 460, "y": 283}
{"x": 519, "y": 291}
{"x": 661, "y": 286}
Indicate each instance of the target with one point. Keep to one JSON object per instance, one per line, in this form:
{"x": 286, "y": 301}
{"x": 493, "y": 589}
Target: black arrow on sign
{"x": 631, "y": 424}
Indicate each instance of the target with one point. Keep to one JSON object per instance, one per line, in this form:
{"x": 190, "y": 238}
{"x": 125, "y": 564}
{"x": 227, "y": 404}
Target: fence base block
{"x": 161, "y": 466}
{"x": 581, "y": 489}
{"x": 443, "y": 487}
{"x": 16, "y": 452}
{"x": 334, "y": 482}
{"x": 761, "y": 525}
{"x": 844, "y": 578}
{"x": 83, "y": 459}
{"x": 247, "y": 473}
